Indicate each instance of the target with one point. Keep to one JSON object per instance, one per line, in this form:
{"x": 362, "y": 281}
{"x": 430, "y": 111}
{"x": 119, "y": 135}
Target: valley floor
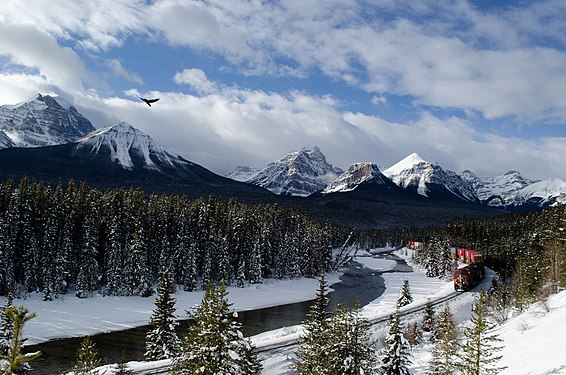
{"x": 532, "y": 340}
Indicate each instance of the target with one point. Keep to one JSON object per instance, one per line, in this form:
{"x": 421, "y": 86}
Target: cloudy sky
{"x": 477, "y": 84}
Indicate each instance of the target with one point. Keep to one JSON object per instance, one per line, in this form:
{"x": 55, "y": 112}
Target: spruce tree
{"x": 350, "y": 348}
{"x": 396, "y": 351}
{"x": 444, "y": 353}
{"x": 428, "y": 317}
{"x": 161, "y": 341}
{"x": 6, "y": 326}
{"x": 480, "y": 347}
{"x": 87, "y": 357}
{"x": 14, "y": 361}
{"x": 312, "y": 357}
{"x": 214, "y": 343}
{"x": 405, "y": 297}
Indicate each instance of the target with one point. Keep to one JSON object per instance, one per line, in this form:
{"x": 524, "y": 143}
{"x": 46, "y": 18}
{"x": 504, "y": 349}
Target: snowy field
{"x": 532, "y": 340}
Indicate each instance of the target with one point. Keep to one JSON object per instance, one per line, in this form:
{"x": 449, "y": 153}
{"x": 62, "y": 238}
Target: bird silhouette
{"x": 148, "y": 101}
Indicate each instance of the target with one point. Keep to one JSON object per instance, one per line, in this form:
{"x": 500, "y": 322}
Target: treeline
{"x": 62, "y": 239}
{"x": 527, "y": 250}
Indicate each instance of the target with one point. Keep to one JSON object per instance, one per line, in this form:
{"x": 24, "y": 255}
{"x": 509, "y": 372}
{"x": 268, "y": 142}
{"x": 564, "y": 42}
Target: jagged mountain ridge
{"x": 120, "y": 156}
{"x": 356, "y": 175}
{"x": 430, "y": 180}
{"x": 243, "y": 173}
{"x": 299, "y": 173}
{"x": 42, "y": 121}
{"x": 513, "y": 190}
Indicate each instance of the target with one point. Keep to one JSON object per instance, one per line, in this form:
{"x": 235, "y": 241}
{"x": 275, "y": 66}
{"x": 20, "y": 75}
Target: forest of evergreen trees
{"x": 73, "y": 238}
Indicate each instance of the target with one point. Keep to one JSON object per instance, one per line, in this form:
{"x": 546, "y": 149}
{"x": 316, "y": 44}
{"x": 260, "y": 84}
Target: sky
{"x": 478, "y": 85}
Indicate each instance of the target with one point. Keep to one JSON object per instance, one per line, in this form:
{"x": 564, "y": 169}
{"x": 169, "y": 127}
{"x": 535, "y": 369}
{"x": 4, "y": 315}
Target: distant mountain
{"x": 513, "y": 191}
{"x": 430, "y": 180}
{"x": 358, "y": 174}
{"x": 243, "y": 173}
{"x": 42, "y": 121}
{"x": 299, "y": 173}
{"x": 120, "y": 156}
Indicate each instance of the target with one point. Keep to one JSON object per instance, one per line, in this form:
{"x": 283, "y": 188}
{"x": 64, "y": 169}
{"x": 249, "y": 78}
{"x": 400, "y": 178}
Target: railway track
{"x": 288, "y": 345}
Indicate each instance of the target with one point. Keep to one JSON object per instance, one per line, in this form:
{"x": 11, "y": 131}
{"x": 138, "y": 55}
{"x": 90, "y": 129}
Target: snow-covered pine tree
{"x": 444, "y": 258}
{"x": 396, "y": 351}
{"x": 480, "y": 347}
{"x": 87, "y": 357}
{"x": 428, "y": 317}
{"x": 14, "y": 361}
{"x": 312, "y": 357}
{"x": 88, "y": 275}
{"x": 431, "y": 260}
{"x": 444, "y": 353}
{"x": 6, "y": 326}
{"x": 405, "y": 297}
{"x": 214, "y": 343}
{"x": 161, "y": 341}
{"x": 413, "y": 334}
{"x": 350, "y": 347}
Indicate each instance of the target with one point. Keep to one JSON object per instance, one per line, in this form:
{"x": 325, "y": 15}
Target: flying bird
{"x": 148, "y": 101}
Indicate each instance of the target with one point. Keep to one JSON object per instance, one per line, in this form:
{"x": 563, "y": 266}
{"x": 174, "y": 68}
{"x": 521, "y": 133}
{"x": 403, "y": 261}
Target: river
{"x": 357, "y": 282}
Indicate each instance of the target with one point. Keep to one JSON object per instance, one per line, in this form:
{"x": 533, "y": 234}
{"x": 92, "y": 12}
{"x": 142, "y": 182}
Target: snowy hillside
{"x": 416, "y": 173}
{"x": 299, "y": 173}
{"x": 243, "y": 173}
{"x": 42, "y": 121}
{"x": 124, "y": 142}
{"x": 512, "y": 189}
{"x": 356, "y": 175}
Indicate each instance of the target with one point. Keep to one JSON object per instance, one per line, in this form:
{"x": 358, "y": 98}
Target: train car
{"x": 453, "y": 252}
{"x": 461, "y": 254}
{"x": 469, "y": 276}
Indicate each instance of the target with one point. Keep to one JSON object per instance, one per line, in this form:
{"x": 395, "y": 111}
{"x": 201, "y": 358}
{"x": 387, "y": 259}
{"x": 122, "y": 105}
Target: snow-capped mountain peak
{"x": 42, "y": 121}
{"x": 414, "y": 172}
{"x": 243, "y": 173}
{"x": 356, "y": 175}
{"x": 298, "y": 173}
{"x": 124, "y": 142}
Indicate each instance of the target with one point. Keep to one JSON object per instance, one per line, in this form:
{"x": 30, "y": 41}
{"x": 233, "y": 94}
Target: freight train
{"x": 470, "y": 275}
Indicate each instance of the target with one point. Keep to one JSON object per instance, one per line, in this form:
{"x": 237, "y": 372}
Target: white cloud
{"x": 26, "y": 46}
{"x": 197, "y": 79}
{"x": 118, "y": 69}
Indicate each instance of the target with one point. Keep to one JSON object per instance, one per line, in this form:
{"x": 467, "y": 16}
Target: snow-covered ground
{"x": 532, "y": 340}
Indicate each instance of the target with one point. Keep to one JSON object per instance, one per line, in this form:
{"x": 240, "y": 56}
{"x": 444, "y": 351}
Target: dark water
{"x": 357, "y": 282}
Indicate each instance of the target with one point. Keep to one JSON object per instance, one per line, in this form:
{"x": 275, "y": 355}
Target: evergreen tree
{"x": 350, "y": 348}
{"x": 161, "y": 341}
{"x": 6, "y": 326}
{"x": 428, "y": 317}
{"x": 432, "y": 260}
{"x": 122, "y": 367}
{"x": 214, "y": 343}
{"x": 87, "y": 357}
{"x": 312, "y": 356}
{"x": 396, "y": 351}
{"x": 444, "y": 353}
{"x": 480, "y": 346}
{"x": 405, "y": 297}
{"x": 413, "y": 334}
{"x": 14, "y": 361}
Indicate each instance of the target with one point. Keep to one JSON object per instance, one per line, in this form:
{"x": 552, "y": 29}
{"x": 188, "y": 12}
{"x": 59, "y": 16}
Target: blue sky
{"x": 476, "y": 85}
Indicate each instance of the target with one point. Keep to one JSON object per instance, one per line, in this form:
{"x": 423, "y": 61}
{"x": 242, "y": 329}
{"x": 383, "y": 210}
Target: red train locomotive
{"x": 470, "y": 275}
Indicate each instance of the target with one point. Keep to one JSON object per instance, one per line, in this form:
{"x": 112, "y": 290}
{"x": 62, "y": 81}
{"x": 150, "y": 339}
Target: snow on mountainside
{"x": 415, "y": 172}
{"x": 243, "y": 173}
{"x": 299, "y": 173}
{"x": 357, "y": 174}
{"x": 42, "y": 121}
{"x": 512, "y": 189}
{"x": 546, "y": 193}
{"x": 124, "y": 142}
{"x": 5, "y": 141}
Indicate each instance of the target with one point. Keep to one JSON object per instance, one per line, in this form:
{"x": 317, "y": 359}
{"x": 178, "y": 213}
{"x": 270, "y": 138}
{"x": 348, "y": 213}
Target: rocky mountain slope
{"x": 42, "y": 121}
{"x": 298, "y": 173}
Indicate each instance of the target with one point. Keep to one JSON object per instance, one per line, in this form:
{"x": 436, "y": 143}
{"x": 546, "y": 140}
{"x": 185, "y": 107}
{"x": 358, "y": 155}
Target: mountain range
{"x": 49, "y": 140}
{"x": 414, "y": 174}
